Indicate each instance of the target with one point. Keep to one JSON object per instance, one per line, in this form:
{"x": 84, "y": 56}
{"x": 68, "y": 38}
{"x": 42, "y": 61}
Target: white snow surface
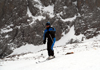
{"x": 28, "y": 48}
{"x": 49, "y": 8}
{"x": 86, "y": 57}
{"x": 6, "y": 29}
{"x": 69, "y": 19}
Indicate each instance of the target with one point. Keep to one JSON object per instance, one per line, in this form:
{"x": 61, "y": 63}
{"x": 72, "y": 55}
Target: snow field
{"x": 85, "y": 57}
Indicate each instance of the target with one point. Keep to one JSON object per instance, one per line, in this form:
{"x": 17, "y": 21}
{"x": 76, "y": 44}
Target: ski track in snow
{"x": 86, "y": 57}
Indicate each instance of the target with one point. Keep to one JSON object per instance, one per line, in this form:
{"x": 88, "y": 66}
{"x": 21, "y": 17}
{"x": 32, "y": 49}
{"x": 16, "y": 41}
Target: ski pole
{"x": 42, "y": 52}
{"x": 53, "y": 42}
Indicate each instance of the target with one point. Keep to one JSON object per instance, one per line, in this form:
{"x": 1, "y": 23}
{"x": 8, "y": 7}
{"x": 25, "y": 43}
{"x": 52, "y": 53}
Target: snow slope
{"x": 86, "y": 57}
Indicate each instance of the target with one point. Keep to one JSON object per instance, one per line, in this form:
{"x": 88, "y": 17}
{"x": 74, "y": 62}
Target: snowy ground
{"x": 86, "y": 57}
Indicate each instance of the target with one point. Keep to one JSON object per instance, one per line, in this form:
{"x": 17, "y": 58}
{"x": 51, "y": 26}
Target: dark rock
{"x": 47, "y": 2}
{"x": 34, "y": 10}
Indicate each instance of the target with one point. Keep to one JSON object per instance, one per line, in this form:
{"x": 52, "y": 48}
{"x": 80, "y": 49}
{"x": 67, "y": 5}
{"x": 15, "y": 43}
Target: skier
{"x": 49, "y": 33}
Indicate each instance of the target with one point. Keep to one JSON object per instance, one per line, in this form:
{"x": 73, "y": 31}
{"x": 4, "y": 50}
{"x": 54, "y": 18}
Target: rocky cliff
{"x": 21, "y": 21}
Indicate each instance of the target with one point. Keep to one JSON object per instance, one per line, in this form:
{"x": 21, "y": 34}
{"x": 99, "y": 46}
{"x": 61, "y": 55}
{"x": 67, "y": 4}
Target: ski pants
{"x": 50, "y": 46}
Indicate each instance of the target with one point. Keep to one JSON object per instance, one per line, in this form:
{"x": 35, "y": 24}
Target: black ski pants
{"x": 50, "y": 48}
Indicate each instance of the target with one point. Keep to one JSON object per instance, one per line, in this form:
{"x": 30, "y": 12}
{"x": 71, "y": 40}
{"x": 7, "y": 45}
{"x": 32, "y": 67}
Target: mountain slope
{"x": 85, "y": 57}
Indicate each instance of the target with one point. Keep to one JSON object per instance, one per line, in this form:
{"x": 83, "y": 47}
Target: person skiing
{"x": 49, "y": 33}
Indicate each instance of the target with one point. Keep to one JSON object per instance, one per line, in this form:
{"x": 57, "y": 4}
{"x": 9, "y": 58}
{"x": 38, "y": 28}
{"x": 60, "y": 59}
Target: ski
{"x": 43, "y": 61}
{"x": 40, "y": 61}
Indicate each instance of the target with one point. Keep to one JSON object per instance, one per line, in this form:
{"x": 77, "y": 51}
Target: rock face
{"x": 21, "y": 21}
{"x": 13, "y": 14}
{"x": 88, "y": 21}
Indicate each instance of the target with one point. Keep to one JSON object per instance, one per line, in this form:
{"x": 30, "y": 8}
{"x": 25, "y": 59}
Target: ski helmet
{"x": 48, "y": 23}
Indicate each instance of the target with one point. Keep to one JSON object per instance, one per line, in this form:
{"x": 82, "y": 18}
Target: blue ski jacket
{"x": 49, "y": 33}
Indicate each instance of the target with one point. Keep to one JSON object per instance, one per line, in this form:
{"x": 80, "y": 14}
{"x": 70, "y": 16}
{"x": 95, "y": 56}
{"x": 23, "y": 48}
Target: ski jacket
{"x": 49, "y": 33}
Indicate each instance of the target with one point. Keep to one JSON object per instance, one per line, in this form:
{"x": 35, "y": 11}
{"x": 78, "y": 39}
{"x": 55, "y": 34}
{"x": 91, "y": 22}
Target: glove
{"x": 44, "y": 41}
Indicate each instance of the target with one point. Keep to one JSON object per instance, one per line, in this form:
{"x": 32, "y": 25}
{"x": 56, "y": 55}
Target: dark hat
{"x": 48, "y": 23}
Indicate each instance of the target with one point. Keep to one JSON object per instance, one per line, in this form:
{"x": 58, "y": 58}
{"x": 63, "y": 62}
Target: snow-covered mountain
{"x": 21, "y": 22}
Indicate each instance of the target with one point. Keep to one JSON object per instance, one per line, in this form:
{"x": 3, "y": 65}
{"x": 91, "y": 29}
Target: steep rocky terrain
{"x": 21, "y": 21}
